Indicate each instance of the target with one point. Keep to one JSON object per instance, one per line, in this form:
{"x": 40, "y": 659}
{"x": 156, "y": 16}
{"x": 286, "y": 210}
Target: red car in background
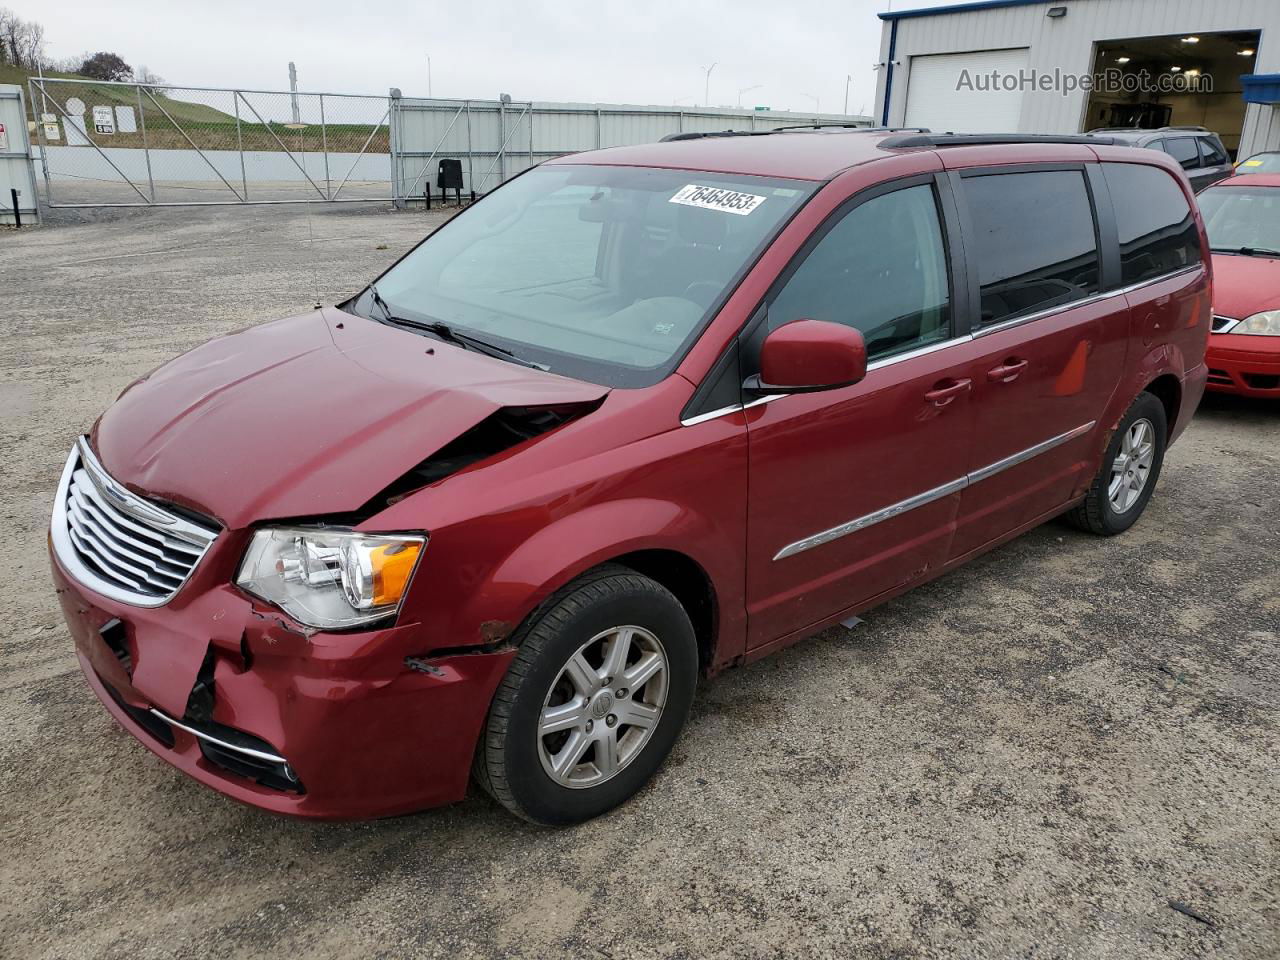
{"x": 637, "y": 416}
{"x": 1242, "y": 219}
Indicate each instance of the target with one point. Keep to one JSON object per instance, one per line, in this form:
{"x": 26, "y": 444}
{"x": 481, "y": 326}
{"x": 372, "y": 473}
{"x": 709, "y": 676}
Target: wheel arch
{"x": 683, "y": 551}
{"x": 1167, "y": 388}
{"x": 690, "y": 584}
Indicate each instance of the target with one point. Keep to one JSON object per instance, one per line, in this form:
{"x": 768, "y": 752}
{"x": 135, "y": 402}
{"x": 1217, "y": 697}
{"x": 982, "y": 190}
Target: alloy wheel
{"x": 603, "y": 707}
{"x": 1131, "y": 468}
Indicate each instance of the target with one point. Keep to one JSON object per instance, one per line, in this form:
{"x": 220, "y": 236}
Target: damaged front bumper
{"x": 324, "y": 725}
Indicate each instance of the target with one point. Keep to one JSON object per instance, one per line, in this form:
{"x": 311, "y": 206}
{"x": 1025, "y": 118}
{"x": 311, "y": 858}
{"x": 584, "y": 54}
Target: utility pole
{"x": 706, "y": 88}
{"x": 293, "y": 95}
{"x": 847, "y": 78}
{"x": 430, "y": 95}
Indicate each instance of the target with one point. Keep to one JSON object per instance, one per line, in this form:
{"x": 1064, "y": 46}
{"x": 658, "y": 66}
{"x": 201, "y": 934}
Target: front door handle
{"x": 1008, "y": 371}
{"x": 944, "y": 391}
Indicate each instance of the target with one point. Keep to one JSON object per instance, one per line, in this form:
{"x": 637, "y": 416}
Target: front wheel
{"x": 1129, "y": 471}
{"x": 593, "y": 701}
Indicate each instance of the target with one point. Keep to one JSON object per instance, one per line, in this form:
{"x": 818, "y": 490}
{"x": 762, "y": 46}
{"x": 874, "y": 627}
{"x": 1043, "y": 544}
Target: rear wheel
{"x": 1129, "y": 471}
{"x": 593, "y": 701}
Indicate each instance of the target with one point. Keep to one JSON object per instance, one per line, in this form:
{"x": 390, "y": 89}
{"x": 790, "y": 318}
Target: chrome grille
{"x": 117, "y": 543}
{"x": 1223, "y": 324}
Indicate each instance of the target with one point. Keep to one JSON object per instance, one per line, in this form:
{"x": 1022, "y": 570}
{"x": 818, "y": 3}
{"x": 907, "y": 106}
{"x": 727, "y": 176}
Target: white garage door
{"x": 942, "y": 98}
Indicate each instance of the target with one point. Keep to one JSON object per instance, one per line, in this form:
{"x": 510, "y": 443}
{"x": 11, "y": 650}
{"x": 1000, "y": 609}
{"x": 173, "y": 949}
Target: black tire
{"x": 1096, "y": 513}
{"x": 508, "y": 762}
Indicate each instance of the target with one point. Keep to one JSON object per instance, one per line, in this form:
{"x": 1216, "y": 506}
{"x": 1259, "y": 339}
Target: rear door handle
{"x": 1008, "y": 371}
{"x": 944, "y": 391}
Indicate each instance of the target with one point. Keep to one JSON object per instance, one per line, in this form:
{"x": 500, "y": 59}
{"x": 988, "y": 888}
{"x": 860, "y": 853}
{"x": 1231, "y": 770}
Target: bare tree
{"x": 142, "y": 73}
{"x": 10, "y": 26}
{"x": 21, "y": 41}
{"x": 32, "y": 48}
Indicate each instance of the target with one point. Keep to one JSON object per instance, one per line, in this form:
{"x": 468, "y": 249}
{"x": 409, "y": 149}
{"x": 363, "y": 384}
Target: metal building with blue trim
{"x": 1066, "y": 66}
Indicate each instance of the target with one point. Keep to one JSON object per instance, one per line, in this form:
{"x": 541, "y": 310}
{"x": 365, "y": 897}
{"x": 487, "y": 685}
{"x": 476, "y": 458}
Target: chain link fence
{"x": 133, "y": 144}
{"x": 106, "y": 144}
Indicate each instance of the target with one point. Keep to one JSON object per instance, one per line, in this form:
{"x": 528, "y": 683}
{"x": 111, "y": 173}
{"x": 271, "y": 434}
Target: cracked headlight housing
{"x": 1265, "y": 324}
{"x": 330, "y": 579}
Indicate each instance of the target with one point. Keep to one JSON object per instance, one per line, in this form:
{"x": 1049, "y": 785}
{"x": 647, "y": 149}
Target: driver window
{"x": 882, "y": 270}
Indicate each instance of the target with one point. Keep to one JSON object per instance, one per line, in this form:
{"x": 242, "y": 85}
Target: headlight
{"x": 329, "y": 578}
{"x": 1265, "y": 324}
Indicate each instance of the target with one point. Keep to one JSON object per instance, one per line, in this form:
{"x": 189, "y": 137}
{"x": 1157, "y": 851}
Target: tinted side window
{"x": 1183, "y": 149}
{"x": 1212, "y": 152}
{"x": 882, "y": 270}
{"x": 1034, "y": 241}
{"x": 1157, "y": 231}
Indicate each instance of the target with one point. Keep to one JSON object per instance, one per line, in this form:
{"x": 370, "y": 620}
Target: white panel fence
{"x": 130, "y": 144}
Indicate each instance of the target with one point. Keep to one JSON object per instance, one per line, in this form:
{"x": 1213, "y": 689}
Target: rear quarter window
{"x": 1213, "y": 153}
{"x": 1158, "y": 234}
{"x": 1183, "y": 149}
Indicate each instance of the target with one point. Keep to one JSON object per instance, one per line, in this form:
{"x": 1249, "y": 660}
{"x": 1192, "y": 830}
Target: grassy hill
{"x": 106, "y": 94}
{"x": 207, "y": 126}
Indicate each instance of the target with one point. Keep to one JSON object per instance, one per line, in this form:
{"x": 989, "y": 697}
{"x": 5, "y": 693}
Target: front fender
{"x": 578, "y": 542}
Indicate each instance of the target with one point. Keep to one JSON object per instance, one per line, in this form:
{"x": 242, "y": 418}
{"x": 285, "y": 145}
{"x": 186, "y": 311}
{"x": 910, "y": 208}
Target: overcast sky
{"x": 608, "y": 51}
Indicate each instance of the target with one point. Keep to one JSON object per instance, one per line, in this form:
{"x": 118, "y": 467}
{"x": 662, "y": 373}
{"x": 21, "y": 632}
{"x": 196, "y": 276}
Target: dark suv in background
{"x": 1197, "y": 150}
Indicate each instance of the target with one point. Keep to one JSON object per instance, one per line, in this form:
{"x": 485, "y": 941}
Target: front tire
{"x": 1129, "y": 471}
{"x": 593, "y": 702}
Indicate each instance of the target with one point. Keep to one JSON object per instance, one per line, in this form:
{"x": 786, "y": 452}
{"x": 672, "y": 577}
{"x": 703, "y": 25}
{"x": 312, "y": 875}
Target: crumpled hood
{"x": 1243, "y": 286}
{"x": 306, "y": 416}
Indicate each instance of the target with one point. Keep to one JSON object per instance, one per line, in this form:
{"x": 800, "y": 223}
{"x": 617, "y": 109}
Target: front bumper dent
{"x": 343, "y": 728}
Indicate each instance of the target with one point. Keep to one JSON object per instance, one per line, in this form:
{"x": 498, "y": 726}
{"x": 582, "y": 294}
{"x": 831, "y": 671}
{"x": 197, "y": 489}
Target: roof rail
{"x": 853, "y": 128}
{"x": 1192, "y": 127}
{"x": 692, "y": 135}
{"x": 984, "y": 139}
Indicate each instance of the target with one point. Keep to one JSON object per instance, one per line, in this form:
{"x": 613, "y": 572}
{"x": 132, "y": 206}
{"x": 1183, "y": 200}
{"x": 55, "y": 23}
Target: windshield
{"x": 1260, "y": 163}
{"x": 1242, "y": 219}
{"x": 606, "y": 274}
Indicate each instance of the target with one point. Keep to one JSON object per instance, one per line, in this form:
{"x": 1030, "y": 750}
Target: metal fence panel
{"x": 133, "y": 144}
{"x": 499, "y": 140}
{"x": 106, "y": 144}
{"x": 18, "y": 201}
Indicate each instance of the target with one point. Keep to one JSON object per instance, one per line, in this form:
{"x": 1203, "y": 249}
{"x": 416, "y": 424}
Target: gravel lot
{"x": 1031, "y": 757}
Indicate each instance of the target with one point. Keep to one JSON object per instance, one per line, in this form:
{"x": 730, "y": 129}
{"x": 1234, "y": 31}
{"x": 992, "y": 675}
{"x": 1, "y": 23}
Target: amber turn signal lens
{"x": 392, "y": 566}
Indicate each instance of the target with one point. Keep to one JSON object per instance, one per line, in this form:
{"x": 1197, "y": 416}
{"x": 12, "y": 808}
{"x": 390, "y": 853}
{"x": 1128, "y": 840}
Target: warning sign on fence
{"x": 104, "y": 121}
{"x": 4, "y": 139}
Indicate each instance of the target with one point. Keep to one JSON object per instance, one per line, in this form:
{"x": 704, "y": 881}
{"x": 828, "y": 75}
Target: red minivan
{"x": 637, "y": 416}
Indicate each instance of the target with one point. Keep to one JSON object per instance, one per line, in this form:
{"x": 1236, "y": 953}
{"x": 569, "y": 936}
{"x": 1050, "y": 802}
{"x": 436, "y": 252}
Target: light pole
{"x": 814, "y": 99}
{"x": 746, "y": 89}
{"x": 430, "y": 95}
{"x": 847, "y": 78}
{"x": 706, "y": 88}
{"x": 293, "y": 92}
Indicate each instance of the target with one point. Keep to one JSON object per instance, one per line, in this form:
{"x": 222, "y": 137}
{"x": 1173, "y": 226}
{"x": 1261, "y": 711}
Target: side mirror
{"x": 806, "y": 356}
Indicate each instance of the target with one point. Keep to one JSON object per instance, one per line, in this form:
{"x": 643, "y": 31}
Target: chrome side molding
{"x": 929, "y": 496}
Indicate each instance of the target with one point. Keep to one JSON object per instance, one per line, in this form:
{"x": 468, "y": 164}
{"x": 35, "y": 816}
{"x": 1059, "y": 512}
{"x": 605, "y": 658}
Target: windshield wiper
{"x": 1248, "y": 251}
{"x": 446, "y": 332}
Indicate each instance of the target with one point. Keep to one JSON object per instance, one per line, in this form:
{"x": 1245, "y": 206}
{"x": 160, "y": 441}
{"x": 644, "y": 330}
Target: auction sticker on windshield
{"x": 717, "y": 198}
